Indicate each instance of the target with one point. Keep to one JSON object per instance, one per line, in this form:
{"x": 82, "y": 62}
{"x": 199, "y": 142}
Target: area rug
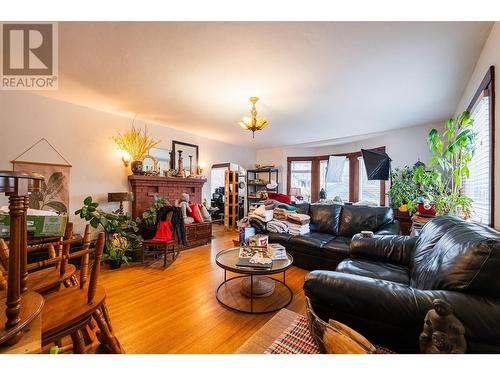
{"x": 296, "y": 339}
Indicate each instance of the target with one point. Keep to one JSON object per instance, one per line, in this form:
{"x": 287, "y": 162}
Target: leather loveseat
{"x": 385, "y": 290}
{"x": 332, "y": 227}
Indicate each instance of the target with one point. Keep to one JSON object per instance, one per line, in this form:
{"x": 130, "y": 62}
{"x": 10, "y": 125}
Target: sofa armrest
{"x": 393, "y": 249}
{"x": 372, "y": 299}
{"x": 390, "y": 228}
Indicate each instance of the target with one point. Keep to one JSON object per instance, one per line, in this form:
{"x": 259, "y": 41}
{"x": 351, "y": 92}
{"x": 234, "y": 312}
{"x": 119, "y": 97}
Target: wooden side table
{"x": 418, "y": 222}
{"x": 21, "y": 305}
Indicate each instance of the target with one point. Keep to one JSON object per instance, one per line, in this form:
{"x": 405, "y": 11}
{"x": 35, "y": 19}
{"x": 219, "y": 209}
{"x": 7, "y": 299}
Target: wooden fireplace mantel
{"x": 146, "y": 187}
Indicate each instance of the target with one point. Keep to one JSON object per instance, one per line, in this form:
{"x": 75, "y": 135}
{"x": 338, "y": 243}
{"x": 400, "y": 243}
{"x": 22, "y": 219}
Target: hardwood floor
{"x": 174, "y": 310}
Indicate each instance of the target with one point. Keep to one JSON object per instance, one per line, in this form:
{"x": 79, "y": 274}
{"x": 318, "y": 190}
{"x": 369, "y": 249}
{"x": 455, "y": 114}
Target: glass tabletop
{"x": 228, "y": 258}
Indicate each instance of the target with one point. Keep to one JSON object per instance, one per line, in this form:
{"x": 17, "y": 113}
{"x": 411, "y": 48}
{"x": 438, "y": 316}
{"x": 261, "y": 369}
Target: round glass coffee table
{"x": 254, "y": 290}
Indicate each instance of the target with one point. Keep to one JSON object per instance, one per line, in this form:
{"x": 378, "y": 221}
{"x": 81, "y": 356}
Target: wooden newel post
{"x": 17, "y": 186}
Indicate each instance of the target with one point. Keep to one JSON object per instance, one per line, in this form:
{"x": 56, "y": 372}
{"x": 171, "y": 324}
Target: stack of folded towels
{"x": 298, "y": 223}
{"x": 261, "y": 214}
{"x": 281, "y": 213}
{"x": 277, "y": 226}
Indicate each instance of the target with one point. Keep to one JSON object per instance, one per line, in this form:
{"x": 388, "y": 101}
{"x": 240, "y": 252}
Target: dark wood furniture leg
{"x": 78, "y": 342}
{"x": 106, "y": 336}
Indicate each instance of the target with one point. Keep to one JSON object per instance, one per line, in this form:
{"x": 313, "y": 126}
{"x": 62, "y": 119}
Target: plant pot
{"x": 136, "y": 167}
{"x": 429, "y": 210}
{"x": 114, "y": 264}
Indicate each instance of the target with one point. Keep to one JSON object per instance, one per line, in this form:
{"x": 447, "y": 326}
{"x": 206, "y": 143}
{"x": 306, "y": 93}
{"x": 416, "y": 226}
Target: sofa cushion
{"x": 465, "y": 257}
{"x": 314, "y": 240}
{"x": 375, "y": 270}
{"x": 338, "y": 245}
{"x": 303, "y": 208}
{"x": 325, "y": 218}
{"x": 281, "y": 238}
{"x": 355, "y": 219}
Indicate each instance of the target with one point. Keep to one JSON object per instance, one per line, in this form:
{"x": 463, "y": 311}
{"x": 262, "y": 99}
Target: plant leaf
{"x": 58, "y": 206}
{"x": 55, "y": 183}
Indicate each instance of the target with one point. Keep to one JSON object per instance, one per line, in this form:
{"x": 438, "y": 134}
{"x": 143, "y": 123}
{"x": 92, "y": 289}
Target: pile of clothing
{"x": 298, "y": 224}
{"x": 258, "y": 218}
{"x": 261, "y": 214}
{"x": 277, "y": 226}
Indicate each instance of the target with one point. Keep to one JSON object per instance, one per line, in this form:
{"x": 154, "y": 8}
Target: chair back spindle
{"x": 66, "y": 247}
{"x": 84, "y": 262}
{"x": 96, "y": 269}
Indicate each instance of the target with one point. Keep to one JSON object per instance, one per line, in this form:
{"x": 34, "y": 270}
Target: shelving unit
{"x": 231, "y": 204}
{"x": 252, "y": 187}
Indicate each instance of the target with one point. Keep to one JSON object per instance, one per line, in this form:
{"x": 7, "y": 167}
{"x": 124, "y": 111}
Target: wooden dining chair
{"x": 69, "y": 311}
{"x": 48, "y": 275}
{"x": 160, "y": 247}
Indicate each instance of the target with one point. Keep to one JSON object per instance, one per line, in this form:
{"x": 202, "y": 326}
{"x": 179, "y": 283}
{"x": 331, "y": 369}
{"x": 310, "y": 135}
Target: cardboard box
{"x": 39, "y": 226}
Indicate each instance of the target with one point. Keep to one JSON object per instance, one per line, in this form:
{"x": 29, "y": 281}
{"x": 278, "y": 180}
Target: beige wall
{"x": 83, "y": 136}
{"x": 489, "y": 56}
{"x": 405, "y": 146}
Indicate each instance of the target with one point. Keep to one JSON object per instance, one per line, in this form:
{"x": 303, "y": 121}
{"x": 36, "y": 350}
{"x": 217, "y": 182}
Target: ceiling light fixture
{"x": 253, "y": 123}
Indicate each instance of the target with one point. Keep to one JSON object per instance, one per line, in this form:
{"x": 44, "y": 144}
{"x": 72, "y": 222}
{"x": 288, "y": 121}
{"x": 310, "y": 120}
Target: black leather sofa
{"x": 388, "y": 285}
{"x": 332, "y": 227}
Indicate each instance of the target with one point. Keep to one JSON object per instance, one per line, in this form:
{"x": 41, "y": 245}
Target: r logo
{"x": 27, "y": 49}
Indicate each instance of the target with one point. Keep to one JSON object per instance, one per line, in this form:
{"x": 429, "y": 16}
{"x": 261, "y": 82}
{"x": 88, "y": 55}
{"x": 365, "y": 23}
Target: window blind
{"x": 334, "y": 189}
{"x": 478, "y": 185}
{"x": 369, "y": 190}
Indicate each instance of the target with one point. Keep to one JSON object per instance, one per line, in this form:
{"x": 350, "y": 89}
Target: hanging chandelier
{"x": 253, "y": 123}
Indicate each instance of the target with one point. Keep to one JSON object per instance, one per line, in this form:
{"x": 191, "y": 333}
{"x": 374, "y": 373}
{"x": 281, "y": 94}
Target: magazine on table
{"x": 254, "y": 258}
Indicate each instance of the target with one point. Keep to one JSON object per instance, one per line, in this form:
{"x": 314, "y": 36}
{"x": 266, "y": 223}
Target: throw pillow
{"x": 195, "y": 213}
{"x": 205, "y": 214}
{"x": 283, "y": 198}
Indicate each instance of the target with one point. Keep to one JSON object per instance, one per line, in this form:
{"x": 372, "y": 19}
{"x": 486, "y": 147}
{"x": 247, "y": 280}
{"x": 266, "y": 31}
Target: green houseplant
{"x": 403, "y": 189}
{"x": 112, "y": 223}
{"x": 411, "y": 183}
{"x": 116, "y": 251}
{"x": 452, "y": 151}
{"x": 149, "y": 216}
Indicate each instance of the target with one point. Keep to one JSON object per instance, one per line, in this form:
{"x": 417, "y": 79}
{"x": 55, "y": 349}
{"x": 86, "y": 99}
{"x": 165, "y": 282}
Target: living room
{"x": 292, "y": 186}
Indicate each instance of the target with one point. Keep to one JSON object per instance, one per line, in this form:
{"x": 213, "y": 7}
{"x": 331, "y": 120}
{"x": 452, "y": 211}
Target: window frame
{"x": 316, "y": 174}
{"x": 488, "y": 83}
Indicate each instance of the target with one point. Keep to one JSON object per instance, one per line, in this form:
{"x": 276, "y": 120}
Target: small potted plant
{"x": 116, "y": 251}
{"x": 136, "y": 143}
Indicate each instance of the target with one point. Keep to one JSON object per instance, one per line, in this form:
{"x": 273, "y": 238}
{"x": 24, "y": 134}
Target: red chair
{"x": 162, "y": 243}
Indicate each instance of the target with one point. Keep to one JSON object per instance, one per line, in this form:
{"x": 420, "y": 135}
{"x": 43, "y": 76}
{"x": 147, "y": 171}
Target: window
{"x": 301, "y": 177}
{"x": 309, "y": 174}
{"x": 369, "y": 190}
{"x": 479, "y": 184}
{"x": 334, "y": 189}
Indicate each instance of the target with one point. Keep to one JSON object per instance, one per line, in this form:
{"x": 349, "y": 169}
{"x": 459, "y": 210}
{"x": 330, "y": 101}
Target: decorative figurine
{"x": 443, "y": 333}
{"x": 322, "y": 194}
{"x": 185, "y": 209}
{"x": 181, "y": 172}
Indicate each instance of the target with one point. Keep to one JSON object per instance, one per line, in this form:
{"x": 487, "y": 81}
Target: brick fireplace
{"x": 171, "y": 188}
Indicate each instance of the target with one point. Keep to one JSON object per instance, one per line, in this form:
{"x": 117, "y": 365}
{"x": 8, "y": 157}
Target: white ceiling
{"x": 317, "y": 81}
